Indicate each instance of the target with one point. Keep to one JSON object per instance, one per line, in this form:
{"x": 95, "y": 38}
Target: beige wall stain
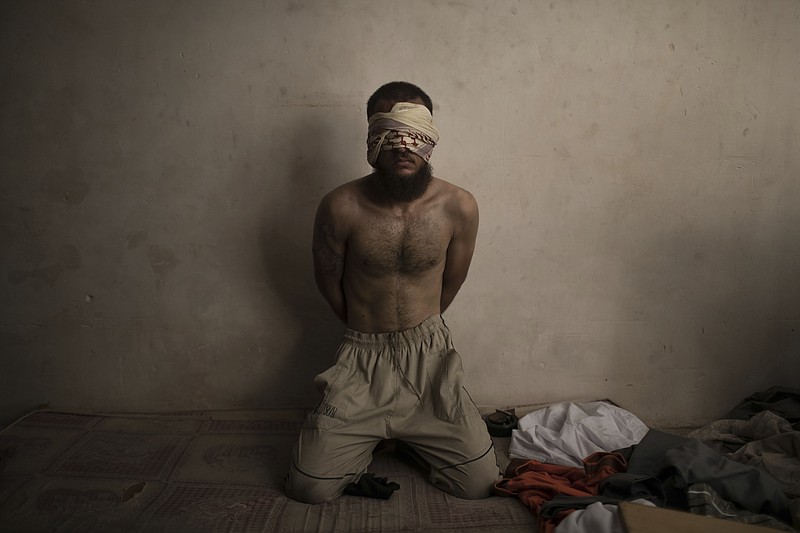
{"x": 162, "y": 261}
{"x": 67, "y": 259}
{"x": 65, "y": 186}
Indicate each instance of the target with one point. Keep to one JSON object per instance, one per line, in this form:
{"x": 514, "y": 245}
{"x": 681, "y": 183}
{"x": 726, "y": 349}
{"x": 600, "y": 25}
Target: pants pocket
{"x": 329, "y": 412}
{"x": 446, "y": 382}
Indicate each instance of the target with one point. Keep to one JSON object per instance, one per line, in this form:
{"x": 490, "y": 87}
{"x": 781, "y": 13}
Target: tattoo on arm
{"x": 331, "y": 263}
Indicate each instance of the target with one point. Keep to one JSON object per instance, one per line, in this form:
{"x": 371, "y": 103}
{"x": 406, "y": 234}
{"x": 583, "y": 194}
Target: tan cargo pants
{"x": 408, "y": 386}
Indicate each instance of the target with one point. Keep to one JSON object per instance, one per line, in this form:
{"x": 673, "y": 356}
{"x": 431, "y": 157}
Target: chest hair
{"x": 401, "y": 245}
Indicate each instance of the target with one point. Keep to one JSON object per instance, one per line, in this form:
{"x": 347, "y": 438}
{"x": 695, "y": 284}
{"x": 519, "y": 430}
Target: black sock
{"x": 370, "y": 486}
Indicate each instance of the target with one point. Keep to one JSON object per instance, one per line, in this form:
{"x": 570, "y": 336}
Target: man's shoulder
{"x": 451, "y": 188}
{"x": 346, "y": 191}
{"x": 345, "y": 198}
{"x": 456, "y": 197}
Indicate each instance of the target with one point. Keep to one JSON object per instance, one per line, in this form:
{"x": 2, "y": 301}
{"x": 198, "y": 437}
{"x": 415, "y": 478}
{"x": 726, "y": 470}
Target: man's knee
{"x": 474, "y": 481}
{"x": 309, "y": 490}
{"x": 478, "y": 486}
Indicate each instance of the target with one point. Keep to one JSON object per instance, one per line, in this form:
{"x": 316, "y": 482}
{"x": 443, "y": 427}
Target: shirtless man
{"x": 391, "y": 250}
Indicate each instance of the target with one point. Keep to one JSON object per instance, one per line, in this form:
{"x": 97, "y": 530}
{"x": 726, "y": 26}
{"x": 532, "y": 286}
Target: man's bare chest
{"x": 386, "y": 245}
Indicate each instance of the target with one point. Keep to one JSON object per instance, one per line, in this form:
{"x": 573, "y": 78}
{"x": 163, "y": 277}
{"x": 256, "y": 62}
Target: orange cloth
{"x": 535, "y": 483}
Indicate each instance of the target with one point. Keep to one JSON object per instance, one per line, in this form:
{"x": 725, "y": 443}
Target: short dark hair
{"x": 399, "y": 91}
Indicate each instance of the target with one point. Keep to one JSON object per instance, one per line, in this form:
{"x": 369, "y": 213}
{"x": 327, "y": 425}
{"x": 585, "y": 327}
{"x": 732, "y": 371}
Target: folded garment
{"x": 566, "y": 433}
{"x": 766, "y": 441}
{"x": 679, "y": 462}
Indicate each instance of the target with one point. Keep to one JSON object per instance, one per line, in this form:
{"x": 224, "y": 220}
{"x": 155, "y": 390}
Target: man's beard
{"x": 405, "y": 188}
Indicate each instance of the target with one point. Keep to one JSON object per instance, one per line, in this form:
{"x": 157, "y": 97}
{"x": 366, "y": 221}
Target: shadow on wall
{"x": 757, "y": 310}
{"x": 731, "y": 330}
{"x": 286, "y": 234}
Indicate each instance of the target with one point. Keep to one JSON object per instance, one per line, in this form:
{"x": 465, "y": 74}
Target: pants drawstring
{"x": 408, "y": 381}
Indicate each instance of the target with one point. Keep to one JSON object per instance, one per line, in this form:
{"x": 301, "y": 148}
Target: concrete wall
{"x": 636, "y": 163}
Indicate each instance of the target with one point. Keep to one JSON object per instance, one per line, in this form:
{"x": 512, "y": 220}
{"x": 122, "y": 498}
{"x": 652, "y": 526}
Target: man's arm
{"x": 462, "y": 245}
{"x": 329, "y": 252}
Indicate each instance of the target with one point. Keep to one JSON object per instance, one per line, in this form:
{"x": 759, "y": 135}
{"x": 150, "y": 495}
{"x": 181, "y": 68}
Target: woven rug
{"x": 210, "y": 471}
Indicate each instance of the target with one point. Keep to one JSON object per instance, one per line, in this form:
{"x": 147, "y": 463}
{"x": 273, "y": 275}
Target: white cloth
{"x": 566, "y": 433}
{"x": 596, "y": 518}
{"x": 407, "y": 125}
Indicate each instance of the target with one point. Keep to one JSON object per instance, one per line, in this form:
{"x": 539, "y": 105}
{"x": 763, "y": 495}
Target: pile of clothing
{"x": 571, "y": 464}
